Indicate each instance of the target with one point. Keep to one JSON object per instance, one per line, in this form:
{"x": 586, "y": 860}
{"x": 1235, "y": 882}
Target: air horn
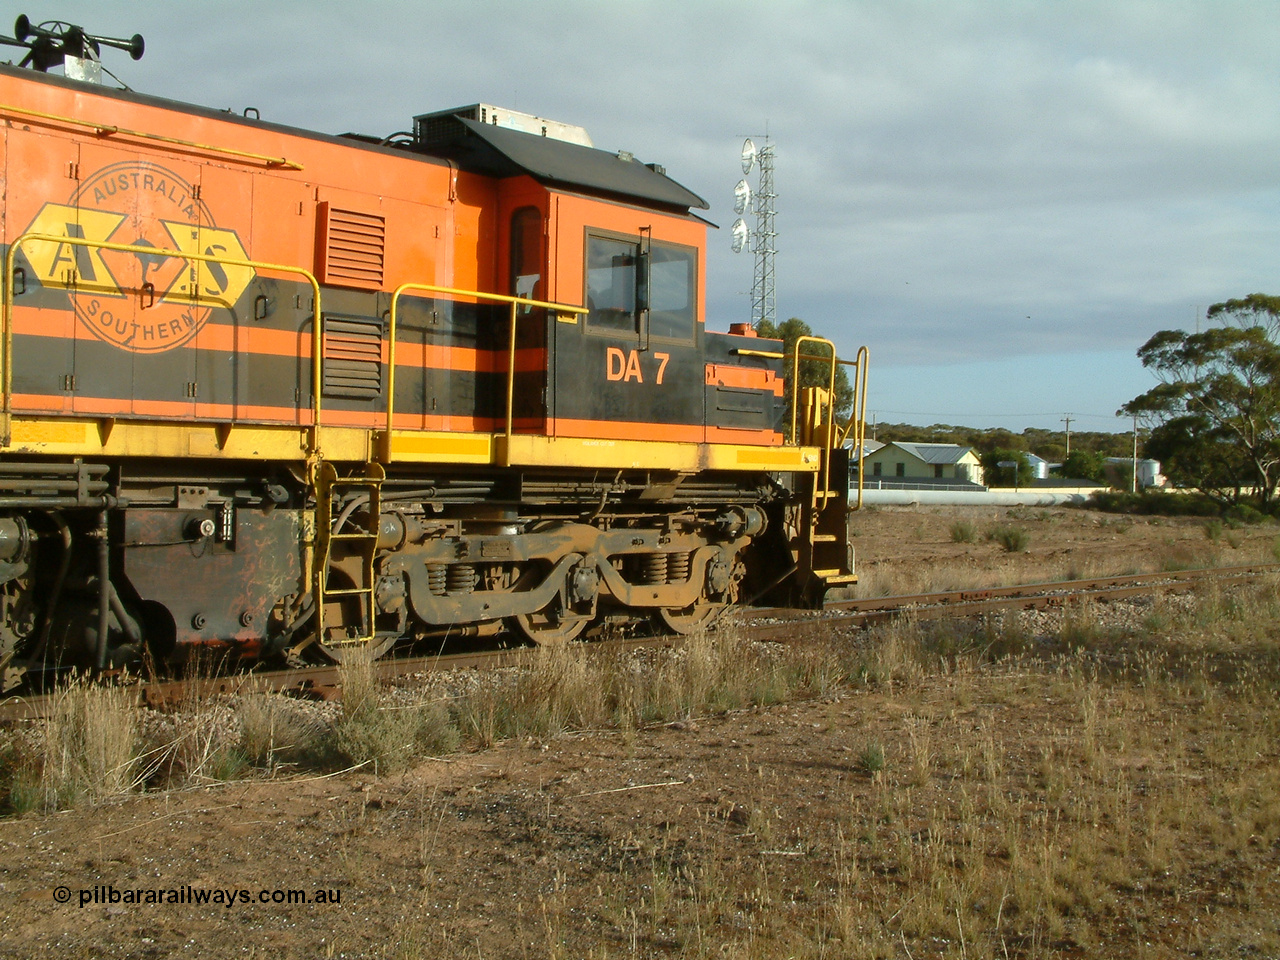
{"x": 49, "y": 43}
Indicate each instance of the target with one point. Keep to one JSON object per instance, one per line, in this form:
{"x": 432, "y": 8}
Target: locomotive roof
{"x": 213, "y": 113}
{"x": 483, "y": 149}
{"x": 500, "y": 152}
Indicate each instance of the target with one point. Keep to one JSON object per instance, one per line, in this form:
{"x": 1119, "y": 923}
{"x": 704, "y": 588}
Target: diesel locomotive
{"x": 304, "y": 396}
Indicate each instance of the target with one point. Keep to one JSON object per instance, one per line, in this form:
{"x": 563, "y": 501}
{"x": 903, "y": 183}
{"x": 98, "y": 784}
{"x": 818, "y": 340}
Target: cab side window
{"x": 631, "y": 284}
{"x": 611, "y": 284}
{"x": 672, "y": 284}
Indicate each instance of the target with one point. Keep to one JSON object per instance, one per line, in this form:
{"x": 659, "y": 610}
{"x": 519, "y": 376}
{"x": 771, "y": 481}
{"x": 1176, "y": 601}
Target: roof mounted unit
{"x": 430, "y": 128}
{"x": 56, "y": 43}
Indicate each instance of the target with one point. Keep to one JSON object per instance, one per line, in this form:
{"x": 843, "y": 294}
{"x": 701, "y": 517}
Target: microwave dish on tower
{"x": 761, "y": 241}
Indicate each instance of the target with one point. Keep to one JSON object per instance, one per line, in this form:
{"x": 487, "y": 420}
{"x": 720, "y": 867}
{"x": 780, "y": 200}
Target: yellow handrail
{"x": 795, "y": 380}
{"x": 6, "y": 317}
{"x": 106, "y": 130}
{"x": 858, "y": 415}
{"x": 830, "y": 405}
{"x": 456, "y": 292}
{"x": 783, "y": 356}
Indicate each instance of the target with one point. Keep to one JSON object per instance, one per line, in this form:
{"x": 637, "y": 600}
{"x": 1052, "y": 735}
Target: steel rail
{"x": 782, "y": 626}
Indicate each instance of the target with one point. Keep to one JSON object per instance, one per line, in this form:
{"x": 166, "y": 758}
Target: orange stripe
{"x": 166, "y": 409}
{"x": 60, "y": 325}
{"x": 41, "y": 403}
{"x": 750, "y": 378}
{"x": 435, "y": 357}
{"x": 618, "y": 430}
{"x": 755, "y": 438}
{"x": 421, "y": 421}
{"x": 264, "y": 341}
{"x": 242, "y": 413}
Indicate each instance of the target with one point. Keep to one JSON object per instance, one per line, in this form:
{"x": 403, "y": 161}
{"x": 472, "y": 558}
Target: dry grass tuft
{"x": 573, "y": 686}
{"x": 85, "y": 751}
{"x": 277, "y": 732}
{"x": 387, "y": 736}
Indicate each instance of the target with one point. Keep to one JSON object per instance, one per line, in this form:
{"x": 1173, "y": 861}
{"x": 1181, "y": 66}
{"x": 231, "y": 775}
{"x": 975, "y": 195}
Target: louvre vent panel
{"x": 352, "y": 247}
{"x": 352, "y": 357}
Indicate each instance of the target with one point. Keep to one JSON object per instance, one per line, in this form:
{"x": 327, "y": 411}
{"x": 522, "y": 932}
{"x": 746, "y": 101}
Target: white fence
{"x": 1004, "y": 497}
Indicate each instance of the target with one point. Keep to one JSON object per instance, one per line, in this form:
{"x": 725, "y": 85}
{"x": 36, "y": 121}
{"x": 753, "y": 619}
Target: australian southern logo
{"x": 152, "y": 298}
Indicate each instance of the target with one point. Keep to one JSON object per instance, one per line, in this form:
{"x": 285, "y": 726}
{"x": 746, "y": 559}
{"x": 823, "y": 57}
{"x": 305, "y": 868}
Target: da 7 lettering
{"x": 625, "y": 366}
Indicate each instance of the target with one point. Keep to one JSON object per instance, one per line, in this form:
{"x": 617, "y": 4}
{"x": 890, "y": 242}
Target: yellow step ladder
{"x": 330, "y": 487}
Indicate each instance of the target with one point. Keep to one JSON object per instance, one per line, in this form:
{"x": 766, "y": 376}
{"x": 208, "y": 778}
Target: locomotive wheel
{"x": 544, "y": 628}
{"x": 691, "y": 618}
{"x": 548, "y": 625}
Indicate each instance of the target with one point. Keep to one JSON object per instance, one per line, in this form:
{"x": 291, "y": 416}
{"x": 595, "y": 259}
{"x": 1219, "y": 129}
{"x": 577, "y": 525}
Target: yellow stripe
{"x": 450, "y": 447}
{"x": 778, "y": 458}
{"x": 132, "y": 438}
{"x": 49, "y": 431}
{"x": 126, "y": 438}
{"x": 526, "y": 450}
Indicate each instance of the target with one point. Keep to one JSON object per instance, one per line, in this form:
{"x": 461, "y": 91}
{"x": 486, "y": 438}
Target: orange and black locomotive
{"x": 300, "y": 395}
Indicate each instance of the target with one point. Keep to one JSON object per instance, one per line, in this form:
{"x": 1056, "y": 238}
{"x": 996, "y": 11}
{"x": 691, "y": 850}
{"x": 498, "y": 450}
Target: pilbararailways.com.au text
{"x": 109, "y": 895}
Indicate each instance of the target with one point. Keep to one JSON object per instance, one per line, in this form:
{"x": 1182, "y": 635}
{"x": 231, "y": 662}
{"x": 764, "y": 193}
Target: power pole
{"x": 1133, "y": 484}
{"x": 1067, "y": 420}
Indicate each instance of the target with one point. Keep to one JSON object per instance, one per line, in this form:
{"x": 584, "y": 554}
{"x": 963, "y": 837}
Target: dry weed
{"x": 386, "y": 736}
{"x": 85, "y": 750}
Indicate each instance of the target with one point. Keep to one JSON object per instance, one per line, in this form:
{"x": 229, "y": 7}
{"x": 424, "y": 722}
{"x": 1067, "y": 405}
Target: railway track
{"x": 1032, "y": 596}
{"x": 771, "y": 625}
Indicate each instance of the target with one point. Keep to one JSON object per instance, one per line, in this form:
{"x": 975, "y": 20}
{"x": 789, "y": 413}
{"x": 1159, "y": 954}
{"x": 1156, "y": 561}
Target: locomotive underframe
{"x": 115, "y": 562}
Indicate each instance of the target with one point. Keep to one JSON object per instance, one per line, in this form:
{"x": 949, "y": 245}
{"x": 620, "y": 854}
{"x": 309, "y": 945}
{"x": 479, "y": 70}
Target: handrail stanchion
{"x": 827, "y": 406}
{"x": 860, "y": 403}
{"x": 511, "y": 368}
{"x": 515, "y": 303}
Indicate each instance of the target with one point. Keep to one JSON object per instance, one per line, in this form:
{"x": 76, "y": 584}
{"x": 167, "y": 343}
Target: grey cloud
{"x": 945, "y": 170}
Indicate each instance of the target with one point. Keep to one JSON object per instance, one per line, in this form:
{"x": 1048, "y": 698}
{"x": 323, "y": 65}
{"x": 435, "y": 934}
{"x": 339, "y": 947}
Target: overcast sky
{"x": 1002, "y": 200}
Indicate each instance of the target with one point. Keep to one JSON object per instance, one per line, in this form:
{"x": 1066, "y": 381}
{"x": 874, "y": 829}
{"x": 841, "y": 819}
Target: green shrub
{"x": 387, "y": 736}
{"x": 391, "y": 737}
{"x": 1013, "y": 539}
{"x": 871, "y": 759}
{"x": 1243, "y": 513}
{"x": 962, "y": 531}
{"x": 1154, "y": 502}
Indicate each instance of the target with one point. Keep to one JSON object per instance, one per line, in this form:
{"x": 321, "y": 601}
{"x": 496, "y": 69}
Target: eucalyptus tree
{"x": 1215, "y": 413}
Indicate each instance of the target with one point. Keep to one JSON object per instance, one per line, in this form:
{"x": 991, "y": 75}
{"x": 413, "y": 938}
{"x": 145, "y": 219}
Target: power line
{"x": 992, "y": 414}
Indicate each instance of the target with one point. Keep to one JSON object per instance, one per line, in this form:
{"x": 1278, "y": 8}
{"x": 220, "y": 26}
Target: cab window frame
{"x": 596, "y": 321}
{"x": 523, "y": 255}
{"x": 684, "y": 253}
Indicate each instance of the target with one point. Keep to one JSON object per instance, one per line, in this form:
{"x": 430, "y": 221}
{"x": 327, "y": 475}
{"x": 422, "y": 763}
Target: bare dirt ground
{"x": 1075, "y": 800}
{"x": 910, "y": 549}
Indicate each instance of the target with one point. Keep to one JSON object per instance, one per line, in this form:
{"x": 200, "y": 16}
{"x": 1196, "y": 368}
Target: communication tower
{"x": 763, "y": 239}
